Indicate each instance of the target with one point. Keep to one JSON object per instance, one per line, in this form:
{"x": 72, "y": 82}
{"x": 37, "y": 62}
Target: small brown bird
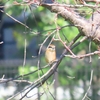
{"x": 50, "y": 54}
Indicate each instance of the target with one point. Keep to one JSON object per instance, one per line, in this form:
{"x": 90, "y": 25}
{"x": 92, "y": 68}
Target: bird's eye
{"x": 50, "y": 46}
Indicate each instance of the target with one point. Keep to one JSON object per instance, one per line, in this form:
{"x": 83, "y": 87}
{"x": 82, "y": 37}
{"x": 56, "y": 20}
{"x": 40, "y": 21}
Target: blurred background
{"x": 73, "y": 75}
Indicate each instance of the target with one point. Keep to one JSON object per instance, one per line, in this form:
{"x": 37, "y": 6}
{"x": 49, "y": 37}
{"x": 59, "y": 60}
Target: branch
{"x": 85, "y": 55}
{"x": 86, "y": 27}
{"x": 89, "y": 85}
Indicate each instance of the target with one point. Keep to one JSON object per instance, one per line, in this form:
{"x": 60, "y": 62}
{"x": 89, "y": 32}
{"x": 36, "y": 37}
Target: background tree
{"x": 73, "y": 26}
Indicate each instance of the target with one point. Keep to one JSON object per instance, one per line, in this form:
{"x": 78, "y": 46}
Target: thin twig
{"x": 73, "y": 6}
{"x": 60, "y": 37}
{"x": 75, "y": 39}
{"x": 15, "y": 19}
{"x": 89, "y": 86}
{"x": 24, "y": 75}
{"x": 85, "y": 55}
{"x": 76, "y": 44}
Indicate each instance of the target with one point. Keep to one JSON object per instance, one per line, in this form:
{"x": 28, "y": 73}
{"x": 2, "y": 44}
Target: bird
{"x": 50, "y": 54}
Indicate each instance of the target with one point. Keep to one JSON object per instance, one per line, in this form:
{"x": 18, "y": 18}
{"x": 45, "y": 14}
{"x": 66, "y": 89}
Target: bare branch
{"x": 15, "y": 19}
{"x": 82, "y": 24}
{"x": 82, "y": 56}
{"x": 89, "y": 85}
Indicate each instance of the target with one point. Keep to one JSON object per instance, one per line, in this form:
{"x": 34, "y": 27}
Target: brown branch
{"x": 15, "y": 19}
{"x": 89, "y": 85}
{"x": 2, "y": 80}
{"x": 74, "y": 6}
{"x": 85, "y": 55}
{"x": 19, "y": 81}
{"x": 80, "y": 22}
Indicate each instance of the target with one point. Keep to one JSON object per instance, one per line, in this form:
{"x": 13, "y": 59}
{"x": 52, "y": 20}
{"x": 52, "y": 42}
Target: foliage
{"x": 42, "y": 22}
{"x": 47, "y": 24}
